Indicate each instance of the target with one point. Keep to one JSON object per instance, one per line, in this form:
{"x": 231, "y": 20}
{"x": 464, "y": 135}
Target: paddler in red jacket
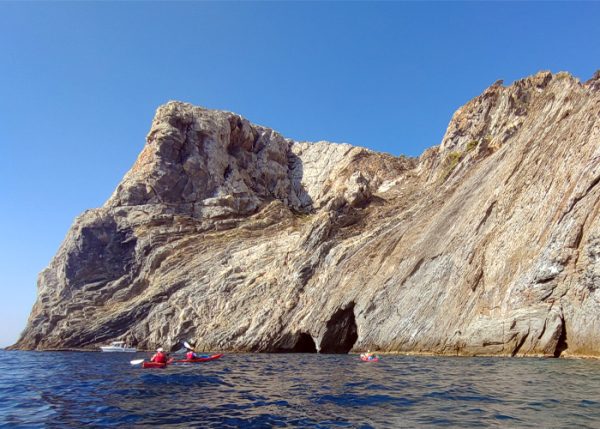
{"x": 160, "y": 356}
{"x": 190, "y": 355}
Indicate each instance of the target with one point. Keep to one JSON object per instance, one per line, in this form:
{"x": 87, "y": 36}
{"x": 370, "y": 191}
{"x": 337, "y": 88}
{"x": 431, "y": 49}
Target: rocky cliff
{"x": 227, "y": 232}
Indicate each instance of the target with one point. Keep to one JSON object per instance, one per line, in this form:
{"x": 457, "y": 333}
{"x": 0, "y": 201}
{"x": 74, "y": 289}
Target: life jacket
{"x": 159, "y": 357}
{"x": 190, "y": 355}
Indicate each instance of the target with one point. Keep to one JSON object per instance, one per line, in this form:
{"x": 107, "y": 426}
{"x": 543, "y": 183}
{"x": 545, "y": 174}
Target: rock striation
{"x": 229, "y": 233}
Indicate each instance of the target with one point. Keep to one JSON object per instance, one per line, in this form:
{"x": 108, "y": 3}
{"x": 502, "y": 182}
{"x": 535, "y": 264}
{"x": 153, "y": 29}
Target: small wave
{"x": 312, "y": 391}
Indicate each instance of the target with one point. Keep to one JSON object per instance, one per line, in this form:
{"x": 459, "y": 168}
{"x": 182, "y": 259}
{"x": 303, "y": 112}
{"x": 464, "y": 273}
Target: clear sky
{"x": 80, "y": 81}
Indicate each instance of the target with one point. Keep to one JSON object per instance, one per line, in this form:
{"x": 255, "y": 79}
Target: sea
{"x": 78, "y": 389}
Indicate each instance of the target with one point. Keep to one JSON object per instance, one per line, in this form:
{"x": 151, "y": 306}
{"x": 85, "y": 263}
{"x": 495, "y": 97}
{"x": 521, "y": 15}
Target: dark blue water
{"x": 292, "y": 390}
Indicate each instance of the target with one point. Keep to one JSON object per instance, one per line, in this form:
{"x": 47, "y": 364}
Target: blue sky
{"x": 79, "y": 84}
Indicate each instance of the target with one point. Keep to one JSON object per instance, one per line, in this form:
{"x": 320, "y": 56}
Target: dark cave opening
{"x": 340, "y": 332}
{"x": 561, "y": 345}
{"x": 297, "y": 343}
{"x": 304, "y": 344}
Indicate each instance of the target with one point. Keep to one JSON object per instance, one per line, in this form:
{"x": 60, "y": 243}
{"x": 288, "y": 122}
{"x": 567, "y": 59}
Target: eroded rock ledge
{"x": 227, "y": 232}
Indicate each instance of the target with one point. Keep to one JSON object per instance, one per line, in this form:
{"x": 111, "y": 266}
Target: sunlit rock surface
{"x": 226, "y": 232}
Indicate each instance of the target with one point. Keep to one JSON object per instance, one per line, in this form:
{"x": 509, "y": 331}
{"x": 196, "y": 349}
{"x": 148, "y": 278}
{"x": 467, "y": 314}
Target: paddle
{"x": 137, "y": 361}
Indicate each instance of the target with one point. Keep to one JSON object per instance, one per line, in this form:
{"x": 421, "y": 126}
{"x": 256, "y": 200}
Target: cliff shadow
{"x": 296, "y": 173}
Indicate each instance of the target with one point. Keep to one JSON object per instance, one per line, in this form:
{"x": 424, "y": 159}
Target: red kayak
{"x": 154, "y": 365}
{"x": 201, "y": 359}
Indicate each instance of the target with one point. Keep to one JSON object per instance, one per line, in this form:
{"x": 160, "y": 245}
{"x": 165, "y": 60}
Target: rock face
{"x": 227, "y": 232}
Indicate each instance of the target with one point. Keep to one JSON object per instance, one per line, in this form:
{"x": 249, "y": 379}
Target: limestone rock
{"x": 227, "y": 232}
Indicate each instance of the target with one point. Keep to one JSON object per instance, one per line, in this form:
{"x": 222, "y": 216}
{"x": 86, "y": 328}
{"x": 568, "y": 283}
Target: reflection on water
{"x": 303, "y": 390}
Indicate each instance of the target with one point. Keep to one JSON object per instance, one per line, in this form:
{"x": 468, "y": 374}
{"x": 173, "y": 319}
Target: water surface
{"x": 61, "y": 389}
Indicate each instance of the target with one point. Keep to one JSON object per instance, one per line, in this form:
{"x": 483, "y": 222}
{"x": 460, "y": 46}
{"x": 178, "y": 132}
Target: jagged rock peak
{"x": 492, "y": 119}
{"x": 214, "y": 164}
{"x": 594, "y": 82}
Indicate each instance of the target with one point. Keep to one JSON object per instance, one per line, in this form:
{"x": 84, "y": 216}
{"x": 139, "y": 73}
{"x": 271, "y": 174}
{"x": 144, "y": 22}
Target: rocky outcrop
{"x": 227, "y": 232}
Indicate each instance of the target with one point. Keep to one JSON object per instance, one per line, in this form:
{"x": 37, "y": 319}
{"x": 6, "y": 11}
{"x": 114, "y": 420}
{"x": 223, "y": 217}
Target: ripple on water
{"x": 363, "y": 400}
{"x": 318, "y": 391}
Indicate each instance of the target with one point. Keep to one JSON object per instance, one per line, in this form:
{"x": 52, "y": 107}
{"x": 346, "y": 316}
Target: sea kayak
{"x": 201, "y": 359}
{"x": 154, "y": 364}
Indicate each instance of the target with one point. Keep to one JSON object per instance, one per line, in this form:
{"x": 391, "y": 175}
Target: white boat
{"x": 118, "y": 346}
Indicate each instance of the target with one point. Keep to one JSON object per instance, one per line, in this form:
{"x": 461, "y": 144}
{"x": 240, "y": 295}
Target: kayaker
{"x": 367, "y": 355}
{"x": 190, "y": 354}
{"x": 160, "y": 356}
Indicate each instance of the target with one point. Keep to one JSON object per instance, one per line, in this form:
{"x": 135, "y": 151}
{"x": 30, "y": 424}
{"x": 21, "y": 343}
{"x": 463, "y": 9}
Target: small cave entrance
{"x": 340, "y": 332}
{"x": 304, "y": 344}
{"x": 297, "y": 343}
{"x": 561, "y": 345}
